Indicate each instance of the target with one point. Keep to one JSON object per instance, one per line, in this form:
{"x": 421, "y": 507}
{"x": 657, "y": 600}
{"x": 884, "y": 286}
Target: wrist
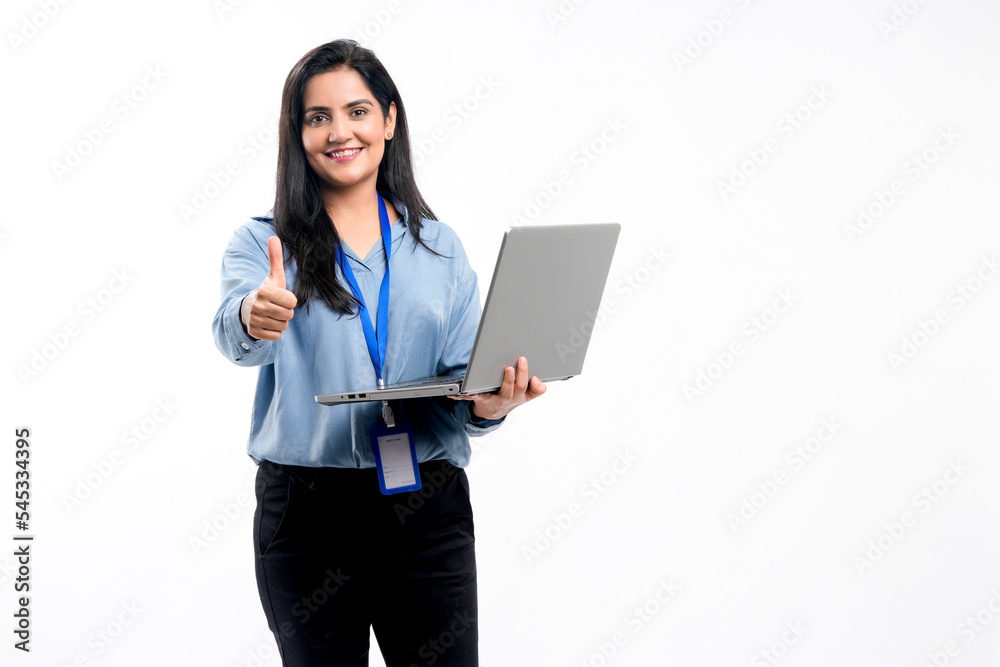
{"x": 245, "y": 305}
{"x": 476, "y": 418}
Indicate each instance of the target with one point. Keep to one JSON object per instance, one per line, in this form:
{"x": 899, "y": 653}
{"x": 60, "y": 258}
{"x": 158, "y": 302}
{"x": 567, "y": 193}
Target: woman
{"x": 335, "y": 555}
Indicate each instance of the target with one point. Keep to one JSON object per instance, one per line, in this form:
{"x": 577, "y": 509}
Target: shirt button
{"x": 244, "y": 346}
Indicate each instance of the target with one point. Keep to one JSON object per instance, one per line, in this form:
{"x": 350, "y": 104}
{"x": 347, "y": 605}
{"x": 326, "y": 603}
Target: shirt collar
{"x": 402, "y": 225}
{"x": 399, "y": 227}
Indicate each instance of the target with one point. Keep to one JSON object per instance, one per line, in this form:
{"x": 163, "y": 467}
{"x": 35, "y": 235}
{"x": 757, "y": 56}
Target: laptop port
{"x": 362, "y": 395}
{"x": 350, "y": 396}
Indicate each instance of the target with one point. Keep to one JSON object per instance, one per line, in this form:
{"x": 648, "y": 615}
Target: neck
{"x": 353, "y": 207}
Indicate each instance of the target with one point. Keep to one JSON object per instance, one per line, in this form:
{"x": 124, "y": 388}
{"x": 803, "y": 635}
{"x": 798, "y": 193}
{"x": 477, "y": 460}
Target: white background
{"x": 844, "y": 549}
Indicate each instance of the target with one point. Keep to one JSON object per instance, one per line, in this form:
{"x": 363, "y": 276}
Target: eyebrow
{"x": 346, "y": 106}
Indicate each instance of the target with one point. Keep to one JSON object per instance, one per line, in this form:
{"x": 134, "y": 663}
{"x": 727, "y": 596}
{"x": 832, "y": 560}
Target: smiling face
{"x": 343, "y": 130}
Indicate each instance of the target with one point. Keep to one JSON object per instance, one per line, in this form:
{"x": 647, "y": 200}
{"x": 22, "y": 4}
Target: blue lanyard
{"x": 376, "y": 339}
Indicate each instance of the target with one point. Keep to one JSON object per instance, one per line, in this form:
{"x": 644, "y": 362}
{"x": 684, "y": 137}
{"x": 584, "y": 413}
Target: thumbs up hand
{"x": 267, "y": 310}
{"x": 275, "y": 255}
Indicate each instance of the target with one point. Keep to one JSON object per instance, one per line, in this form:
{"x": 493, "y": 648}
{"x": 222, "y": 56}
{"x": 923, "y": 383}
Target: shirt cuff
{"x": 245, "y": 307}
{"x": 483, "y": 423}
{"x": 244, "y": 346}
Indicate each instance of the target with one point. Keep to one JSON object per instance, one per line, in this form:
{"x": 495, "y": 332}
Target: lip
{"x": 348, "y": 158}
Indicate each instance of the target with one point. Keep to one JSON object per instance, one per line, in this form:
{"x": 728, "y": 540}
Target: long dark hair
{"x": 300, "y": 216}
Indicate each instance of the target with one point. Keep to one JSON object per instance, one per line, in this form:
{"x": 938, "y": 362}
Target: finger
{"x": 276, "y": 257}
{"x": 278, "y": 296}
{"x": 522, "y": 376}
{"x": 266, "y": 307}
{"x": 279, "y": 314}
{"x": 535, "y": 388}
{"x": 264, "y": 335}
{"x": 264, "y": 315}
{"x": 264, "y": 323}
{"x": 506, "y": 390}
{"x": 277, "y": 321}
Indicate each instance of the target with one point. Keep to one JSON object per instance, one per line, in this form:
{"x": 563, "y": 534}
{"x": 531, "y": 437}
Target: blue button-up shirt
{"x": 434, "y": 313}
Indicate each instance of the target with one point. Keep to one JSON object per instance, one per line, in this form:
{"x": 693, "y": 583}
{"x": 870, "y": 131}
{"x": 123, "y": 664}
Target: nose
{"x": 338, "y": 129}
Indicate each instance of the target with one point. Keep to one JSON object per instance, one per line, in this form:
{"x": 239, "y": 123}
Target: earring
{"x": 388, "y": 135}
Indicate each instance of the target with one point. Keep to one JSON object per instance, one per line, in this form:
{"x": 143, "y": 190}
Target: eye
{"x": 317, "y": 117}
{"x": 359, "y": 111}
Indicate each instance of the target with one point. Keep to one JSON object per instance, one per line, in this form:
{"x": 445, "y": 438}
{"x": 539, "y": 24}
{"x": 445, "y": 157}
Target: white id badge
{"x": 396, "y": 458}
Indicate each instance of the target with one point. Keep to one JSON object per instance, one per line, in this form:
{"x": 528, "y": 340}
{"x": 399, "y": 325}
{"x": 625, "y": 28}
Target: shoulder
{"x": 254, "y": 232}
{"x": 441, "y": 237}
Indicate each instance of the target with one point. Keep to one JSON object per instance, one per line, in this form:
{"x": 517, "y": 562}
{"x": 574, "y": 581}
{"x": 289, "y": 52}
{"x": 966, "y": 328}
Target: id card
{"x": 396, "y": 458}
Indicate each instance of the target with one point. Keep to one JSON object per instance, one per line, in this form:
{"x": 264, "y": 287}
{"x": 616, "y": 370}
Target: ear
{"x": 390, "y": 120}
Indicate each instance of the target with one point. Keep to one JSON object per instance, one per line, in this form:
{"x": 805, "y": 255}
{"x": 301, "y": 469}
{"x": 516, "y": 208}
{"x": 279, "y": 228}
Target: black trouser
{"x": 335, "y": 557}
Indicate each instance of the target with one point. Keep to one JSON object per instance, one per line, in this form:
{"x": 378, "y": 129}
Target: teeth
{"x": 345, "y": 153}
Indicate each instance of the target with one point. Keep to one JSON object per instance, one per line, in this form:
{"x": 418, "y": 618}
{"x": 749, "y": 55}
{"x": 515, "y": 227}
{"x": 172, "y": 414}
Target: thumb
{"x": 276, "y": 257}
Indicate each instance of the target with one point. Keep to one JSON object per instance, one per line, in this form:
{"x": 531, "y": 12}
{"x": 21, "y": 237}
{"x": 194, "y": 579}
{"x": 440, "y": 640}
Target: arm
{"x": 255, "y": 306}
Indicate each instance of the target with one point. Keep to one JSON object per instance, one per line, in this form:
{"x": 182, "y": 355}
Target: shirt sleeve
{"x": 244, "y": 267}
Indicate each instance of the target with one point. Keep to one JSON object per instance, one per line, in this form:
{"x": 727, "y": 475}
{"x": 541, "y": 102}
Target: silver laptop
{"x": 544, "y": 297}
